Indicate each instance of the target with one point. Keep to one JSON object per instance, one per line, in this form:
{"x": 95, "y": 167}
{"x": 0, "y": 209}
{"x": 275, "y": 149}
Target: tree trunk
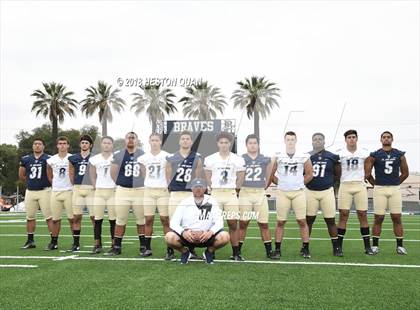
{"x": 54, "y": 135}
{"x": 257, "y": 123}
{"x": 154, "y": 125}
{"x": 104, "y": 124}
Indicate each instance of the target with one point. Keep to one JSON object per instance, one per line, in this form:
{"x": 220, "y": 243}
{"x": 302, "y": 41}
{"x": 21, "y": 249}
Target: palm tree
{"x": 258, "y": 96}
{"x": 156, "y": 101}
{"x": 104, "y": 99}
{"x": 203, "y": 101}
{"x": 54, "y": 102}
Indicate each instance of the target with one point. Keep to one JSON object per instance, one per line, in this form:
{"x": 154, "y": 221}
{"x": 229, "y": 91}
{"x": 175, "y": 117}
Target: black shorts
{"x": 206, "y": 244}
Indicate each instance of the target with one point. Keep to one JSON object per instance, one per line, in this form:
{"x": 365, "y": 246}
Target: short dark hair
{"x": 290, "y": 133}
{"x": 63, "y": 138}
{"x": 350, "y": 132}
{"x": 107, "y": 137}
{"x": 388, "y": 132}
{"x": 224, "y": 135}
{"x": 131, "y": 133}
{"x": 87, "y": 138}
{"x": 155, "y": 134}
{"x": 186, "y": 133}
{"x": 318, "y": 134}
{"x": 252, "y": 136}
{"x": 39, "y": 139}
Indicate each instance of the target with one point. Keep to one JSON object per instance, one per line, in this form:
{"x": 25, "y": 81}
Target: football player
{"x": 291, "y": 171}
{"x": 61, "y": 192}
{"x": 225, "y": 173}
{"x": 320, "y": 190}
{"x": 125, "y": 171}
{"x": 33, "y": 172}
{"x": 82, "y": 185}
{"x": 156, "y": 195}
{"x": 100, "y": 174}
{"x": 353, "y": 188}
{"x": 252, "y": 196}
{"x": 391, "y": 169}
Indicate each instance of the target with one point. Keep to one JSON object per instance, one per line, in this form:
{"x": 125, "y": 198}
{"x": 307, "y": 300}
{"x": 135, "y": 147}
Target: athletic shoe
{"x": 185, "y": 257}
{"x": 375, "y": 250}
{"x": 29, "y": 245}
{"x": 368, "y": 251}
{"x": 142, "y": 249}
{"x": 97, "y": 249}
{"x": 113, "y": 251}
{"x": 237, "y": 258}
{"x": 338, "y": 252}
{"x": 146, "y": 253}
{"x": 275, "y": 255}
{"x": 74, "y": 248}
{"x": 208, "y": 257}
{"x": 170, "y": 256}
{"x": 401, "y": 250}
{"x": 305, "y": 253}
{"x": 51, "y": 247}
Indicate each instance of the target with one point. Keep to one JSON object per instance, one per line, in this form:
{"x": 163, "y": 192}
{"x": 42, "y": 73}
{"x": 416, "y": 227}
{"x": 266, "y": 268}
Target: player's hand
{"x": 187, "y": 234}
{"x": 206, "y": 236}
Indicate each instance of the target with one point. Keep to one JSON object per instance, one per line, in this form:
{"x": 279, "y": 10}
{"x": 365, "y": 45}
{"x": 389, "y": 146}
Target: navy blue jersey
{"x": 36, "y": 171}
{"x": 129, "y": 169}
{"x": 255, "y": 171}
{"x": 387, "y": 166}
{"x": 81, "y": 169}
{"x": 323, "y": 167}
{"x": 183, "y": 170}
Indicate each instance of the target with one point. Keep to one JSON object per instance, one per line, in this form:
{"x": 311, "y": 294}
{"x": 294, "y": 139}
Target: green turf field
{"x": 85, "y": 281}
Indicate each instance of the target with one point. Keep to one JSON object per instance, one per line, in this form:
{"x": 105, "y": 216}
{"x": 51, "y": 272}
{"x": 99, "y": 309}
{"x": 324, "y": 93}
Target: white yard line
{"x": 18, "y": 266}
{"x": 75, "y": 257}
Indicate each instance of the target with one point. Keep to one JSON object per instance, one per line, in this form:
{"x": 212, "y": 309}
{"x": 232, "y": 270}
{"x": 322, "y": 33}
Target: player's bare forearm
{"x": 337, "y": 172}
{"x": 49, "y": 173}
{"x": 240, "y": 176}
{"x": 92, "y": 174}
{"x": 404, "y": 169}
{"x": 272, "y": 178}
{"x": 114, "y": 172}
{"x": 71, "y": 173}
{"x": 368, "y": 170}
{"x": 199, "y": 170}
{"x": 22, "y": 174}
{"x": 309, "y": 174}
{"x": 208, "y": 177}
{"x": 168, "y": 173}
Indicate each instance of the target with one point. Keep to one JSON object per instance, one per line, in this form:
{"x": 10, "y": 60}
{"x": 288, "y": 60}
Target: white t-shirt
{"x": 103, "y": 171}
{"x": 155, "y": 169}
{"x": 188, "y": 216}
{"x": 352, "y": 164}
{"x": 223, "y": 171}
{"x": 290, "y": 170}
{"x": 60, "y": 167}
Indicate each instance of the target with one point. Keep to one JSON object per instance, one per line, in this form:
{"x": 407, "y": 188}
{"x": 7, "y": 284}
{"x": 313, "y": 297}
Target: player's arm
{"x": 22, "y": 174}
{"x": 142, "y": 170}
{"x": 168, "y": 172}
{"x": 404, "y": 169}
{"x": 309, "y": 173}
{"x": 71, "y": 172}
{"x": 368, "y": 170}
{"x": 269, "y": 172}
{"x": 49, "y": 173}
{"x": 337, "y": 171}
{"x": 199, "y": 170}
{"x": 114, "y": 171}
{"x": 208, "y": 178}
{"x": 92, "y": 174}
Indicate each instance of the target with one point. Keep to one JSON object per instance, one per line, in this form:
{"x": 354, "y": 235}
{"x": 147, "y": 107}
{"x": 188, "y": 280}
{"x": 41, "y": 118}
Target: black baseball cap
{"x": 198, "y": 182}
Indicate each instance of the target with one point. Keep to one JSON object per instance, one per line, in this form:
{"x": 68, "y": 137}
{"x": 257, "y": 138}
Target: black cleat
{"x": 51, "y": 247}
{"x": 185, "y": 257}
{"x": 208, "y": 257}
{"x": 74, "y": 248}
{"x": 113, "y": 251}
{"x": 29, "y": 245}
{"x": 97, "y": 249}
{"x": 170, "y": 256}
{"x": 142, "y": 250}
{"x": 338, "y": 252}
{"x": 368, "y": 251}
{"x": 275, "y": 255}
{"x": 146, "y": 253}
{"x": 237, "y": 258}
{"x": 305, "y": 253}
